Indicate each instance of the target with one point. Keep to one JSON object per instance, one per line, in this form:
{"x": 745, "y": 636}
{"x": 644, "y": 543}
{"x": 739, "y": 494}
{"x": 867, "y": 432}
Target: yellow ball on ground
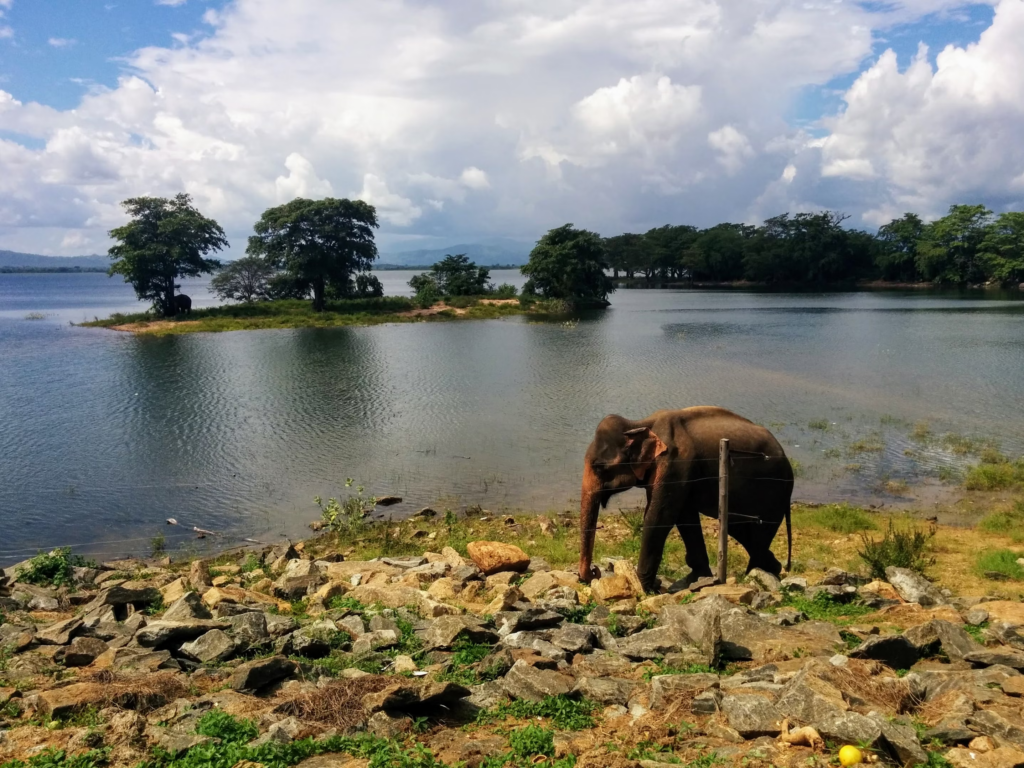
{"x": 850, "y": 755}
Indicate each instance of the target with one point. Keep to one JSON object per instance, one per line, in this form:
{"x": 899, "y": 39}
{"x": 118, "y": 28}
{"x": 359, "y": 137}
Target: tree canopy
{"x": 166, "y": 239}
{"x": 318, "y": 243}
{"x": 452, "y": 276}
{"x": 246, "y": 279}
{"x": 569, "y": 264}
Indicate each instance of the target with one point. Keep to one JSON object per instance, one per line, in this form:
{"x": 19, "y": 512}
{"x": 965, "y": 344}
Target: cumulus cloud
{"x": 464, "y": 119}
{"x": 61, "y": 42}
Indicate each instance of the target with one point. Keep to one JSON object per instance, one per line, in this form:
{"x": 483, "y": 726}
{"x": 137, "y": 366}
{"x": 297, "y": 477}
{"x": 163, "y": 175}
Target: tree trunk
{"x": 318, "y": 295}
{"x": 170, "y": 306}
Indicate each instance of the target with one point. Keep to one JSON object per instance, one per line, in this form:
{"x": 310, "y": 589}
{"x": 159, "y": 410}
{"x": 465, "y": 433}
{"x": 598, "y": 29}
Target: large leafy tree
{"x": 717, "y": 253}
{"x": 454, "y": 276}
{"x": 569, "y": 264}
{"x": 897, "y": 255}
{"x": 166, "y": 239}
{"x": 949, "y": 248}
{"x": 625, "y": 253}
{"x": 246, "y": 279}
{"x": 318, "y": 243}
{"x": 1002, "y": 250}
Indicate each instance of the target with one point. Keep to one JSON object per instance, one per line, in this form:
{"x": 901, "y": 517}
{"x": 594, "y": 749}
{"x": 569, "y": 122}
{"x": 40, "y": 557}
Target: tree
{"x": 625, "y": 252}
{"x": 1002, "y": 250}
{"x": 247, "y": 279}
{"x": 897, "y": 256}
{"x": 948, "y": 250}
{"x": 717, "y": 253}
{"x": 319, "y": 243}
{"x": 569, "y": 264}
{"x": 166, "y": 239}
{"x": 454, "y": 276}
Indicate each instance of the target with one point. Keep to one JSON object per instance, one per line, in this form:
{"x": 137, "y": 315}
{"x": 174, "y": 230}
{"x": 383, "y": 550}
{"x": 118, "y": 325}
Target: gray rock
{"x": 353, "y": 625}
{"x": 786, "y": 617}
{"x": 804, "y": 703}
{"x": 279, "y": 626}
{"x": 174, "y": 742}
{"x": 466, "y": 574}
{"x": 767, "y": 581}
{"x": 913, "y": 587}
{"x": 83, "y": 651}
{"x": 702, "y": 624}
{"x": 976, "y": 616}
{"x": 315, "y": 640}
{"x": 445, "y": 631}
{"x": 952, "y": 731}
{"x": 525, "y": 620}
{"x": 282, "y": 732}
{"x": 998, "y": 727}
{"x": 665, "y": 688}
{"x": 188, "y": 607}
{"x": 895, "y": 651}
{"x": 795, "y": 583}
{"x": 988, "y": 658}
{"x": 707, "y": 703}
{"x": 59, "y": 633}
{"x": 531, "y": 684}
{"x": 938, "y": 634}
{"x": 299, "y": 578}
{"x": 215, "y": 645}
{"x": 372, "y": 641}
{"x": 653, "y": 643}
{"x": 533, "y": 641}
{"x": 575, "y": 638}
{"x": 128, "y": 593}
{"x": 250, "y": 630}
{"x": 487, "y": 695}
{"x": 258, "y": 674}
{"x": 605, "y": 690}
{"x": 43, "y": 603}
{"x": 166, "y": 634}
{"x": 388, "y": 726}
{"x": 836, "y": 591}
{"x": 752, "y": 716}
{"x": 847, "y": 728}
{"x": 901, "y": 742}
{"x": 1007, "y": 634}
{"x": 430, "y": 571}
{"x": 839, "y": 577}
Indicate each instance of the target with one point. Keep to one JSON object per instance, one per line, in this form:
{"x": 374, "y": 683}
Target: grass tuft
{"x": 900, "y": 548}
{"x": 841, "y": 518}
{"x": 999, "y": 561}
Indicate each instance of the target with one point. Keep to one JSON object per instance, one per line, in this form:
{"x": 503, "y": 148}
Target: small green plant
{"x": 921, "y": 433}
{"x": 220, "y": 725}
{"x": 652, "y": 750}
{"x": 565, "y": 714}
{"x": 999, "y": 561}
{"x": 532, "y": 740}
{"x": 54, "y": 568}
{"x": 58, "y": 758}
{"x": 1008, "y": 523}
{"x": 346, "y": 516}
{"x": 158, "y": 545}
{"x": 578, "y": 614}
{"x": 977, "y": 631}
{"x": 824, "y": 607}
{"x": 634, "y": 520}
{"x": 841, "y": 518}
{"x": 420, "y": 724}
{"x": 867, "y": 445}
{"x": 901, "y": 548}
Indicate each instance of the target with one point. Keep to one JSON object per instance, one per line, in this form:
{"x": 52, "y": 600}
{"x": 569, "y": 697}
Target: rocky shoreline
{"x": 295, "y": 655}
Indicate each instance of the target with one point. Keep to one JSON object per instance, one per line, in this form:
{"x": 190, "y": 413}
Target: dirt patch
{"x": 154, "y": 326}
{"x": 458, "y": 311}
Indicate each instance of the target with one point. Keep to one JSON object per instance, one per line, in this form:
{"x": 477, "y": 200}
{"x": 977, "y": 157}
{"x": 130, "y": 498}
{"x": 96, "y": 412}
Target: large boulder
{"x": 605, "y": 690}
{"x": 847, "y": 728}
{"x": 913, "y": 587}
{"x": 654, "y": 643}
{"x": 933, "y": 636}
{"x": 214, "y": 645}
{"x": 188, "y": 607}
{"x": 59, "y": 633}
{"x": 666, "y": 688}
{"x": 702, "y": 623}
{"x": 609, "y": 589}
{"x": 495, "y": 557}
{"x": 58, "y": 703}
{"x": 526, "y": 682}
{"x": 138, "y": 593}
{"x": 299, "y": 577}
{"x": 250, "y": 630}
{"x": 83, "y": 651}
{"x": 442, "y": 633}
{"x": 752, "y": 715}
{"x": 258, "y": 674}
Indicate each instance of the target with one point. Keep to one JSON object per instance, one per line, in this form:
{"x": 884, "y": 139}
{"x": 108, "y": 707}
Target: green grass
{"x": 218, "y": 724}
{"x": 1007, "y": 523}
{"x": 1002, "y": 561}
{"x": 53, "y": 568}
{"x": 821, "y": 424}
{"x": 58, "y": 758}
{"x": 565, "y": 714}
{"x": 841, "y": 518}
{"x": 530, "y": 741}
{"x": 977, "y": 631}
{"x": 295, "y": 313}
{"x": 872, "y": 444}
{"x": 995, "y": 475}
{"x": 898, "y": 547}
{"x": 824, "y": 607}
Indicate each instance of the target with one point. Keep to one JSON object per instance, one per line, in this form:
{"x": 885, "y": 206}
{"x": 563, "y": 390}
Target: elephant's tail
{"x": 789, "y": 541}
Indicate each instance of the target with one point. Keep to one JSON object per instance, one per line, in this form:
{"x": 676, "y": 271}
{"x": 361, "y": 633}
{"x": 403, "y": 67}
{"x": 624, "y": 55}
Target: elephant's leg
{"x": 696, "y": 551}
{"x": 756, "y": 537}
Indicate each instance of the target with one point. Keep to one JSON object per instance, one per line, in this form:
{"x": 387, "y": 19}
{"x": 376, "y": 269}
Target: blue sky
{"x": 461, "y": 120}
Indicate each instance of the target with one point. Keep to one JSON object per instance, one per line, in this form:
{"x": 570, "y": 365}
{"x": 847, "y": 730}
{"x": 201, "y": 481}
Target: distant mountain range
{"x": 35, "y": 261}
{"x": 487, "y": 253}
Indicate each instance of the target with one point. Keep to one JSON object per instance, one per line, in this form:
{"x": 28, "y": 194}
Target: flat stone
{"x": 258, "y": 674}
{"x": 702, "y": 623}
{"x": 653, "y": 643}
{"x": 83, "y": 651}
{"x": 913, "y": 587}
{"x": 738, "y": 594}
{"x": 353, "y": 625}
{"x": 895, "y": 651}
{"x": 249, "y": 630}
{"x": 59, "y": 703}
{"x": 795, "y": 583}
{"x": 1001, "y": 757}
{"x": 767, "y": 581}
{"x": 59, "y": 633}
{"x": 752, "y": 716}
{"x": 666, "y": 688}
{"x": 214, "y": 645}
{"x": 531, "y": 684}
{"x": 937, "y": 634}
{"x": 951, "y": 731}
{"x": 574, "y": 638}
{"x": 162, "y": 634}
{"x": 806, "y": 698}
{"x": 494, "y": 556}
{"x": 445, "y": 631}
{"x": 188, "y": 607}
{"x": 372, "y": 641}
{"x": 1013, "y": 686}
{"x": 412, "y": 695}
{"x": 394, "y": 596}
{"x": 847, "y": 728}
{"x": 610, "y": 588}
{"x": 1004, "y": 657}
{"x": 995, "y": 725}
{"x": 901, "y": 742}
{"x": 605, "y": 690}
{"x": 601, "y": 664}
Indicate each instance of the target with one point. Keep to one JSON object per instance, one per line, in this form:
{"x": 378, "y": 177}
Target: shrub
{"x": 897, "y": 548}
{"x": 532, "y": 740}
{"x": 348, "y": 515}
{"x": 995, "y": 476}
{"x": 505, "y": 291}
{"x": 53, "y": 568}
{"x": 999, "y": 561}
{"x": 841, "y": 518}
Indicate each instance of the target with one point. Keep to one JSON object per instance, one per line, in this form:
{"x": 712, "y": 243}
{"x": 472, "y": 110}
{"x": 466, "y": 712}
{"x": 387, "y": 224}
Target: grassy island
{"x": 296, "y": 313}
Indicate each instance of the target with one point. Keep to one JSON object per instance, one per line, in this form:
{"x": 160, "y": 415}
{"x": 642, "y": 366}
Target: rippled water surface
{"x": 105, "y": 435}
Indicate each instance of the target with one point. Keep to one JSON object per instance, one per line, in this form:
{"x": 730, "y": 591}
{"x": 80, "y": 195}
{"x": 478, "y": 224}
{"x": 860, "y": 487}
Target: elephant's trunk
{"x": 590, "y": 505}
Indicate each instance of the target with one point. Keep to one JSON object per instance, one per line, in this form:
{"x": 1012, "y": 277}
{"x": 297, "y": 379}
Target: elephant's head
{"x": 620, "y": 457}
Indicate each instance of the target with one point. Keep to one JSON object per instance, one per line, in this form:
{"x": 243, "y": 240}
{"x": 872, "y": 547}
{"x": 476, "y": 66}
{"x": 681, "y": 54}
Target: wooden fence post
{"x": 723, "y": 509}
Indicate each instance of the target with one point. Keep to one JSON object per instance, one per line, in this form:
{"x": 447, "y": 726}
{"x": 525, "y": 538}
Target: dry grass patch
{"x": 140, "y": 694}
{"x": 339, "y": 704}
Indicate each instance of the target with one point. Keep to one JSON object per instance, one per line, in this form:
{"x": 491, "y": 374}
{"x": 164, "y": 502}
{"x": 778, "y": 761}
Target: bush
{"x": 897, "y": 548}
{"x": 53, "y": 568}
{"x": 345, "y": 516}
{"x": 995, "y": 476}
{"x": 1002, "y": 562}
{"x": 532, "y": 740}
{"x": 219, "y": 724}
{"x": 505, "y": 291}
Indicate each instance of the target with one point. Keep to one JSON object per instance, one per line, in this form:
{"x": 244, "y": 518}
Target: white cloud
{"x": 509, "y": 117}
{"x": 61, "y": 42}
{"x": 171, "y": 2}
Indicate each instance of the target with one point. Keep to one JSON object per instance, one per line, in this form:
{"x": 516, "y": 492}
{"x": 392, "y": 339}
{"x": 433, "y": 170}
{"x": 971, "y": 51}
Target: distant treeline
{"x": 417, "y": 267}
{"x": 968, "y": 246}
{"x": 47, "y": 270}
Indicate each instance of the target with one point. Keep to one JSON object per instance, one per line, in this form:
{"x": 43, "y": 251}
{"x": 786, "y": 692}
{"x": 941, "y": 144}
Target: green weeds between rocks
{"x": 999, "y": 563}
{"x": 565, "y": 714}
{"x": 58, "y": 758}
{"x": 902, "y": 548}
{"x": 218, "y": 724}
{"x": 53, "y": 569}
{"x": 664, "y": 669}
{"x": 824, "y": 607}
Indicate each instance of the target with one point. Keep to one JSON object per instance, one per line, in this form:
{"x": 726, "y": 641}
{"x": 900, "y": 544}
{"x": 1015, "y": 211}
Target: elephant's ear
{"x": 650, "y": 447}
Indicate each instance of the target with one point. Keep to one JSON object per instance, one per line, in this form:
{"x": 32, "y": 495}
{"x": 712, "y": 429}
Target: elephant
{"x": 182, "y": 304}
{"x": 673, "y": 456}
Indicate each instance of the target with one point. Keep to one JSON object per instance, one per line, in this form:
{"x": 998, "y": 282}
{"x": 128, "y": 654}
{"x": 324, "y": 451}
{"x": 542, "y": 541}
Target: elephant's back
{"x": 703, "y": 427}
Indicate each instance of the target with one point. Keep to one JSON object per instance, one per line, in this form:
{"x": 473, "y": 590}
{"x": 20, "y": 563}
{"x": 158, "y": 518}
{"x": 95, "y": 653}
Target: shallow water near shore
{"x": 104, "y": 435}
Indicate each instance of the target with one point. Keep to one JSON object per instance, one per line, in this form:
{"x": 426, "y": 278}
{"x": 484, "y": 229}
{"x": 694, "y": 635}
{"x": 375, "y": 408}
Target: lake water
{"x": 105, "y": 435}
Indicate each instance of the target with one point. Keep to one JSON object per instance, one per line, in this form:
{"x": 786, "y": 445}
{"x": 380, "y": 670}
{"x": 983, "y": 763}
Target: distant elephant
{"x": 182, "y": 304}
{"x": 673, "y": 456}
